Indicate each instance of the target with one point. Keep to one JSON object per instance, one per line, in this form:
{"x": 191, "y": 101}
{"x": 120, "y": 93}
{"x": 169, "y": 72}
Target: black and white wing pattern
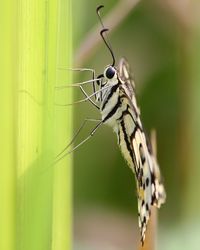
{"x": 136, "y": 149}
{"x": 126, "y": 76}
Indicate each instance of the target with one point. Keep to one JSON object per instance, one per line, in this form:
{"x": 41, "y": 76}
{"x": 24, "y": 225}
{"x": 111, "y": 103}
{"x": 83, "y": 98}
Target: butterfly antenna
{"x": 102, "y": 34}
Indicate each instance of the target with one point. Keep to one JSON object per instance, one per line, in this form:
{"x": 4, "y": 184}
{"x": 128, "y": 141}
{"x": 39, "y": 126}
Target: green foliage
{"x": 35, "y": 211}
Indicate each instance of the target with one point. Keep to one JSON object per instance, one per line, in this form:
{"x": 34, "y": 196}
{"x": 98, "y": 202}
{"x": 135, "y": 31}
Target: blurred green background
{"x": 161, "y": 41}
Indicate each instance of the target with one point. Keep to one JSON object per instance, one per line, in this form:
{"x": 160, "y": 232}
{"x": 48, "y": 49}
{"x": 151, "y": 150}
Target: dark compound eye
{"x": 110, "y": 72}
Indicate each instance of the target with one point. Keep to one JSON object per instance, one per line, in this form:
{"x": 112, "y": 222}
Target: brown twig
{"x": 150, "y": 241}
{"x": 112, "y": 20}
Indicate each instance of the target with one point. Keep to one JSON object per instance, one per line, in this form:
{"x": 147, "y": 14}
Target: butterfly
{"x": 118, "y": 107}
{"x": 120, "y": 111}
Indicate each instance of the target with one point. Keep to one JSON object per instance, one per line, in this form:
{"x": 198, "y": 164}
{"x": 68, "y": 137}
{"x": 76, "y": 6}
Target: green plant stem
{"x": 62, "y": 211}
{"x": 7, "y": 127}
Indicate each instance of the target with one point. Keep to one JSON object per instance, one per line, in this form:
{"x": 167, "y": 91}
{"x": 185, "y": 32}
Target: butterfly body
{"x": 119, "y": 110}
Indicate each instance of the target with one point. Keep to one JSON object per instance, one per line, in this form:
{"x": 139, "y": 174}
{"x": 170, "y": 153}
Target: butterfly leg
{"x": 60, "y": 156}
{"x": 93, "y": 82}
{"x": 84, "y": 69}
{"x": 87, "y": 98}
{"x": 80, "y": 84}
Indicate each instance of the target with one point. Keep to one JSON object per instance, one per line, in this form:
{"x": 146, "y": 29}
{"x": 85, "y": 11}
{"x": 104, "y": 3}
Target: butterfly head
{"x": 110, "y": 73}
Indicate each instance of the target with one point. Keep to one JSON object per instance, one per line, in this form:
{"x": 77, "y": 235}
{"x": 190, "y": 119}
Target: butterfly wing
{"x": 126, "y": 77}
{"x": 159, "y": 195}
{"x": 150, "y": 190}
{"x": 143, "y": 177}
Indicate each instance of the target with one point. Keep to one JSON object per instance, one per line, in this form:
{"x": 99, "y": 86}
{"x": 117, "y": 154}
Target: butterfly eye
{"x": 110, "y": 72}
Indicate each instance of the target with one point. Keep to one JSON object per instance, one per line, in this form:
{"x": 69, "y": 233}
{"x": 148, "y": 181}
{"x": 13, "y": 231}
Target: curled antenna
{"x": 98, "y": 13}
{"x": 108, "y": 46}
{"x": 102, "y": 32}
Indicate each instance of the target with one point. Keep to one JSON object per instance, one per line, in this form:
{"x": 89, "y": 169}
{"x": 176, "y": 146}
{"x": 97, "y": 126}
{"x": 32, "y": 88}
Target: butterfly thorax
{"x": 112, "y": 104}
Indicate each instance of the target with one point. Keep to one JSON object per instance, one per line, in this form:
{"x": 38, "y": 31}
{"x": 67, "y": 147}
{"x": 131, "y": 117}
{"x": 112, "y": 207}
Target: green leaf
{"x": 35, "y": 194}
